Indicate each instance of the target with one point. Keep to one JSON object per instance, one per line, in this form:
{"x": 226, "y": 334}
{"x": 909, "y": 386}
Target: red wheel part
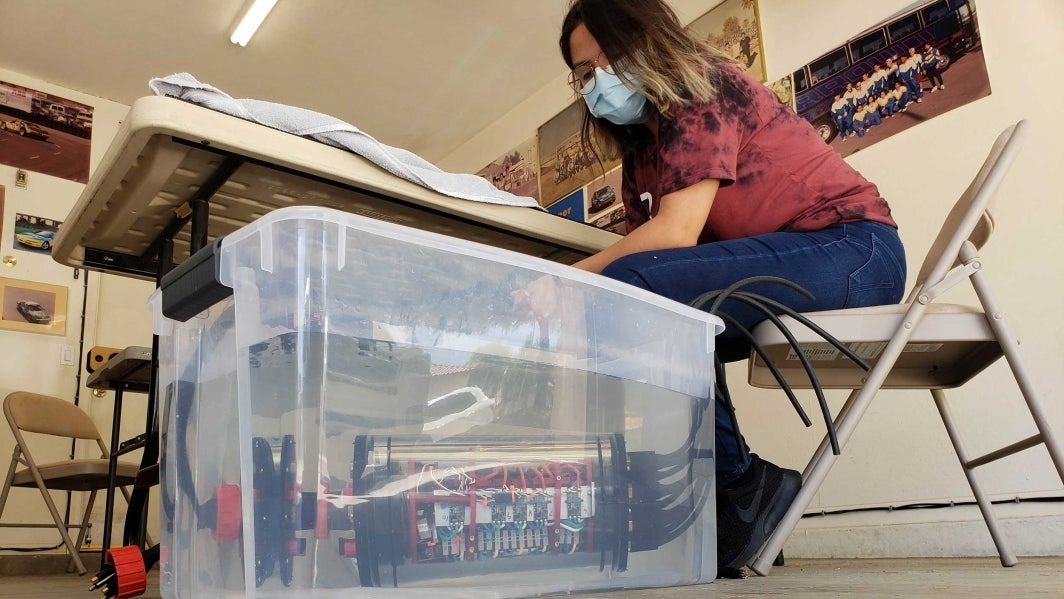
{"x": 129, "y": 570}
{"x": 227, "y": 521}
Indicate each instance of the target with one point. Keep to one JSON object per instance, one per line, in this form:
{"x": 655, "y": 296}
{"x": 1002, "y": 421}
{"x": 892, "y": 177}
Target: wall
{"x": 115, "y": 315}
{"x": 900, "y": 454}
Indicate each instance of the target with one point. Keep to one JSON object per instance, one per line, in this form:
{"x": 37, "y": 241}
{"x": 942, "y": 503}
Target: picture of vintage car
{"x": 36, "y": 239}
{"x": 602, "y": 199}
{"x": 24, "y": 128}
{"x": 33, "y": 312}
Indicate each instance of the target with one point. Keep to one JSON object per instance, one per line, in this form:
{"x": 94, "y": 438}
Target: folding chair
{"x": 33, "y": 413}
{"x": 920, "y": 344}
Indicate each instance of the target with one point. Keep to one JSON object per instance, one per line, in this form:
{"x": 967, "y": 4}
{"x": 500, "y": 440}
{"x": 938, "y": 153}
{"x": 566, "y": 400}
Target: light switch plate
{"x": 66, "y": 355}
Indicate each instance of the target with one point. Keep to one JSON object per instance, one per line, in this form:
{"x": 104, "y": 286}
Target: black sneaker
{"x": 749, "y": 509}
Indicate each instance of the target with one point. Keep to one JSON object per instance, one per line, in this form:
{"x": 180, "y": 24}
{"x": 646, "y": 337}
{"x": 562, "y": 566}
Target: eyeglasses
{"x": 582, "y": 77}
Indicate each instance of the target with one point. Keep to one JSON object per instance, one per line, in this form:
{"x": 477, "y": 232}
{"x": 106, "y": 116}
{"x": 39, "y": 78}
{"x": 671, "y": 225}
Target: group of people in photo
{"x": 886, "y": 91}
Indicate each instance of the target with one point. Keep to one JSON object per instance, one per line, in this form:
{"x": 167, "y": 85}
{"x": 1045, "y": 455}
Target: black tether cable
{"x": 763, "y": 305}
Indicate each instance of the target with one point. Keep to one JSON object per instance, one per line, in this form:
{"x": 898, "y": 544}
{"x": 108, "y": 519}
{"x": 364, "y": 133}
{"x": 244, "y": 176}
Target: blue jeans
{"x": 913, "y": 83}
{"x": 844, "y": 266}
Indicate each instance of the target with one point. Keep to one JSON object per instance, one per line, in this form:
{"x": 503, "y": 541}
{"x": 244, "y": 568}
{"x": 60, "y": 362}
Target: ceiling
{"x": 424, "y": 75}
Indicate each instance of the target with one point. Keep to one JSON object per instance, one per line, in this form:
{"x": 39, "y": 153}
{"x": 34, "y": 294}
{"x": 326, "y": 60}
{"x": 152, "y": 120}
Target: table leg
{"x": 112, "y": 471}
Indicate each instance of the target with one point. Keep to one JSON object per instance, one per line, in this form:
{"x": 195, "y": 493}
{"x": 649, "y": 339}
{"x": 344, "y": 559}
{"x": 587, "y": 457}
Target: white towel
{"x": 335, "y": 132}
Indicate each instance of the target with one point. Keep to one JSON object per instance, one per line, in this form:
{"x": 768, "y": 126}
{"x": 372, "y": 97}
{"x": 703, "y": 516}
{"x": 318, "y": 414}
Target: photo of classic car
{"x": 24, "y": 128}
{"x": 34, "y": 312}
{"x": 44, "y": 133}
{"x": 36, "y": 239}
{"x": 602, "y": 199}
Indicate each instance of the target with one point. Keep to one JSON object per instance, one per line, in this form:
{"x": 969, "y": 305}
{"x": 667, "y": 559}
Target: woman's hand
{"x": 539, "y": 298}
{"x": 678, "y": 223}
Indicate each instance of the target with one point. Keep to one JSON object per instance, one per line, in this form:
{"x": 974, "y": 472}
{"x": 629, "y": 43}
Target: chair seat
{"x": 952, "y": 343}
{"x": 77, "y": 475}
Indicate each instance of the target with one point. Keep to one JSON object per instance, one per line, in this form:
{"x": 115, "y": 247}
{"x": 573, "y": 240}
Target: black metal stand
{"x": 130, "y": 370}
{"x": 161, "y": 253}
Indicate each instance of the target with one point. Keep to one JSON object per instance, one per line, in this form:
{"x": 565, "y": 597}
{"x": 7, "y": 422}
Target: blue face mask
{"x": 612, "y": 100}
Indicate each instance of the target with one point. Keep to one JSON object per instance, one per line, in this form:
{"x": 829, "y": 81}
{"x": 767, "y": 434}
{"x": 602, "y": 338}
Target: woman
{"x": 932, "y": 57}
{"x": 909, "y": 71}
{"x": 721, "y": 182}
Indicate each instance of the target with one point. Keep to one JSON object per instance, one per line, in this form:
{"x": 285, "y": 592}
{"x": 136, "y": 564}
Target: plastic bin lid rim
{"x": 468, "y": 248}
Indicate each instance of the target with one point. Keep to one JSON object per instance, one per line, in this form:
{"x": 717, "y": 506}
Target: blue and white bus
{"x": 948, "y": 25}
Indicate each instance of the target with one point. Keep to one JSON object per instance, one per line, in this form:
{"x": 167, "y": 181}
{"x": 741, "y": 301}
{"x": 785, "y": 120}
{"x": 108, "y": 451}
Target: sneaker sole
{"x": 767, "y": 523}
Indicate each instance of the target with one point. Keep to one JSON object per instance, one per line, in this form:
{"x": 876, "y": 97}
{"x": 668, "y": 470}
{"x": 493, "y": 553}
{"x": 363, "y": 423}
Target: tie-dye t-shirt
{"x": 776, "y": 173}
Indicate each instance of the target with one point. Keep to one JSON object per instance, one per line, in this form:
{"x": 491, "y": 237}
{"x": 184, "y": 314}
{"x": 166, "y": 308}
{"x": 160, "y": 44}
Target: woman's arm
{"x": 680, "y": 219}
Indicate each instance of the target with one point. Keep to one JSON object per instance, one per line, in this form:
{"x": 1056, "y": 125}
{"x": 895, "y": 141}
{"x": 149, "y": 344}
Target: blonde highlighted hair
{"x": 644, "y": 40}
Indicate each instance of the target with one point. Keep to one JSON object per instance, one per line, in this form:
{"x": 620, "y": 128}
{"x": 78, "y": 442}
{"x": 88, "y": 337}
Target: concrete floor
{"x": 955, "y": 578}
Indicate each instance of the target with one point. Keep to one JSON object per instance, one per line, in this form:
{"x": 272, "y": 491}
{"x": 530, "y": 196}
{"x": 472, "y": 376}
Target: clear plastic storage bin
{"x": 360, "y": 409}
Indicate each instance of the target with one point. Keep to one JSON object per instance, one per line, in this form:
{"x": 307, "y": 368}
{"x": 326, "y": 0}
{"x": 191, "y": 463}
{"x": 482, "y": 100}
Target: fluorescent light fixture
{"x": 254, "y": 14}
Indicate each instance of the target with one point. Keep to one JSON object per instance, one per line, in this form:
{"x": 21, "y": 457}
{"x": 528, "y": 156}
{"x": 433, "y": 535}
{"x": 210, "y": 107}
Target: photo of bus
{"x": 948, "y": 25}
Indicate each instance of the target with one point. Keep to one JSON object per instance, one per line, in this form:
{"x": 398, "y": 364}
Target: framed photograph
{"x": 734, "y": 27}
{"x": 784, "y": 90}
{"x": 614, "y": 221}
{"x": 35, "y": 233}
{"x": 516, "y": 171}
{"x": 563, "y": 163}
{"x": 44, "y": 133}
{"x": 32, "y": 307}
{"x": 919, "y": 63}
{"x": 603, "y": 196}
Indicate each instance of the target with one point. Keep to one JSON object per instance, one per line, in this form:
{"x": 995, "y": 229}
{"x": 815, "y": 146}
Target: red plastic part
{"x": 348, "y": 548}
{"x": 321, "y": 521}
{"x": 227, "y": 523}
{"x": 321, "y": 517}
{"x": 129, "y": 570}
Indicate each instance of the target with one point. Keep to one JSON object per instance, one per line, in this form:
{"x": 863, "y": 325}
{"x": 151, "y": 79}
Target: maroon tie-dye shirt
{"x": 776, "y": 173}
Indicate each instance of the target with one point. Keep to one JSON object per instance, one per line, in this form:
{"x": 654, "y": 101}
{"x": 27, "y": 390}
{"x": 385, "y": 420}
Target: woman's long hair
{"x": 646, "y": 41}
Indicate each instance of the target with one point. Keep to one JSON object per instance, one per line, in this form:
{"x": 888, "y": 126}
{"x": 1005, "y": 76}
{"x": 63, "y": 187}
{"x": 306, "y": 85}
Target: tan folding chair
{"x": 920, "y": 344}
{"x": 33, "y": 413}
